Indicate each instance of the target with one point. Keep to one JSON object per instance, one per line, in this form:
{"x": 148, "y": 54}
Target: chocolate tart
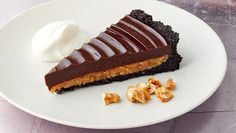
{"x": 133, "y": 47}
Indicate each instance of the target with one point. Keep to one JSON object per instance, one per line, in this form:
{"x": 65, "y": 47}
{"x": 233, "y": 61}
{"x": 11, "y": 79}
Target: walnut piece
{"x": 152, "y": 88}
{"x": 155, "y": 82}
{"x": 137, "y": 95}
{"x": 163, "y": 94}
{"x": 170, "y": 85}
{"x": 109, "y": 98}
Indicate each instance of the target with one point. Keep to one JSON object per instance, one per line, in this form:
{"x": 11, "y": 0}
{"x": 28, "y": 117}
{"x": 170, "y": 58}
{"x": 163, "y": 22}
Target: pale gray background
{"x": 216, "y": 115}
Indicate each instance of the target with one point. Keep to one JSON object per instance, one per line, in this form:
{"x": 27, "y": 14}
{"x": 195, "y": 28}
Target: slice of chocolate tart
{"x": 134, "y": 46}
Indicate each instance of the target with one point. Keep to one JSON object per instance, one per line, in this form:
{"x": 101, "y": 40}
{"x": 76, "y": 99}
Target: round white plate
{"x": 22, "y": 76}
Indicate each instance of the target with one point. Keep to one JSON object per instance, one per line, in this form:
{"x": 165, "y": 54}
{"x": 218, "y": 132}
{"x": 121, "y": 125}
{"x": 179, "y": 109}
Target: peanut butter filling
{"x": 117, "y": 71}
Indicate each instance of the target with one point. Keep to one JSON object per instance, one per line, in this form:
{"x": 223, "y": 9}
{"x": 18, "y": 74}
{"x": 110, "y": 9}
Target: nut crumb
{"x": 137, "y": 95}
{"x": 152, "y": 88}
{"x": 163, "y": 94}
{"x": 109, "y": 98}
{"x": 170, "y": 85}
{"x": 154, "y": 81}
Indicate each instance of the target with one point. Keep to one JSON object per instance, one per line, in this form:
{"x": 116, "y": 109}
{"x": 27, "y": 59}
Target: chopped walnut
{"x": 109, "y": 98}
{"x": 137, "y": 95}
{"x": 155, "y": 82}
{"x": 163, "y": 94}
{"x": 170, "y": 85}
{"x": 161, "y": 90}
{"x": 152, "y": 88}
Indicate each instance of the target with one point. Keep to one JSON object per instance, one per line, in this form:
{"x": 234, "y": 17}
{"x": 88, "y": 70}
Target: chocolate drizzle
{"x": 128, "y": 41}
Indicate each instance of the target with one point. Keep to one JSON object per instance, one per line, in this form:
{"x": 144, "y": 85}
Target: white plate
{"x": 22, "y": 76}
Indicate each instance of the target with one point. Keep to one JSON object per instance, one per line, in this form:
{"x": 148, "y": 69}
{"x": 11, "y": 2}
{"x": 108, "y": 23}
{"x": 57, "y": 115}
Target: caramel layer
{"x": 110, "y": 73}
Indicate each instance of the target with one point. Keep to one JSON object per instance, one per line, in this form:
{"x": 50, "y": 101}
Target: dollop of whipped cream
{"x": 57, "y": 40}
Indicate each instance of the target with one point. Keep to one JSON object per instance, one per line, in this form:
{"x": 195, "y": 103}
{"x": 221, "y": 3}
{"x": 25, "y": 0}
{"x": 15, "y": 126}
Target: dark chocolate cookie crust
{"x": 171, "y": 37}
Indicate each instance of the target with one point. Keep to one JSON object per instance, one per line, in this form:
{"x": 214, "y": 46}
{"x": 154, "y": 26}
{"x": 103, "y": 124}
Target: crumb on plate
{"x": 109, "y": 98}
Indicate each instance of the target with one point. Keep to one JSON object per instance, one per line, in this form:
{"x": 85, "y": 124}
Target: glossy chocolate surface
{"x": 125, "y": 42}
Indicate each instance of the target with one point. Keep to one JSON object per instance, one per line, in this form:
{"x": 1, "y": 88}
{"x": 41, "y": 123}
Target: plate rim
{"x": 87, "y": 126}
